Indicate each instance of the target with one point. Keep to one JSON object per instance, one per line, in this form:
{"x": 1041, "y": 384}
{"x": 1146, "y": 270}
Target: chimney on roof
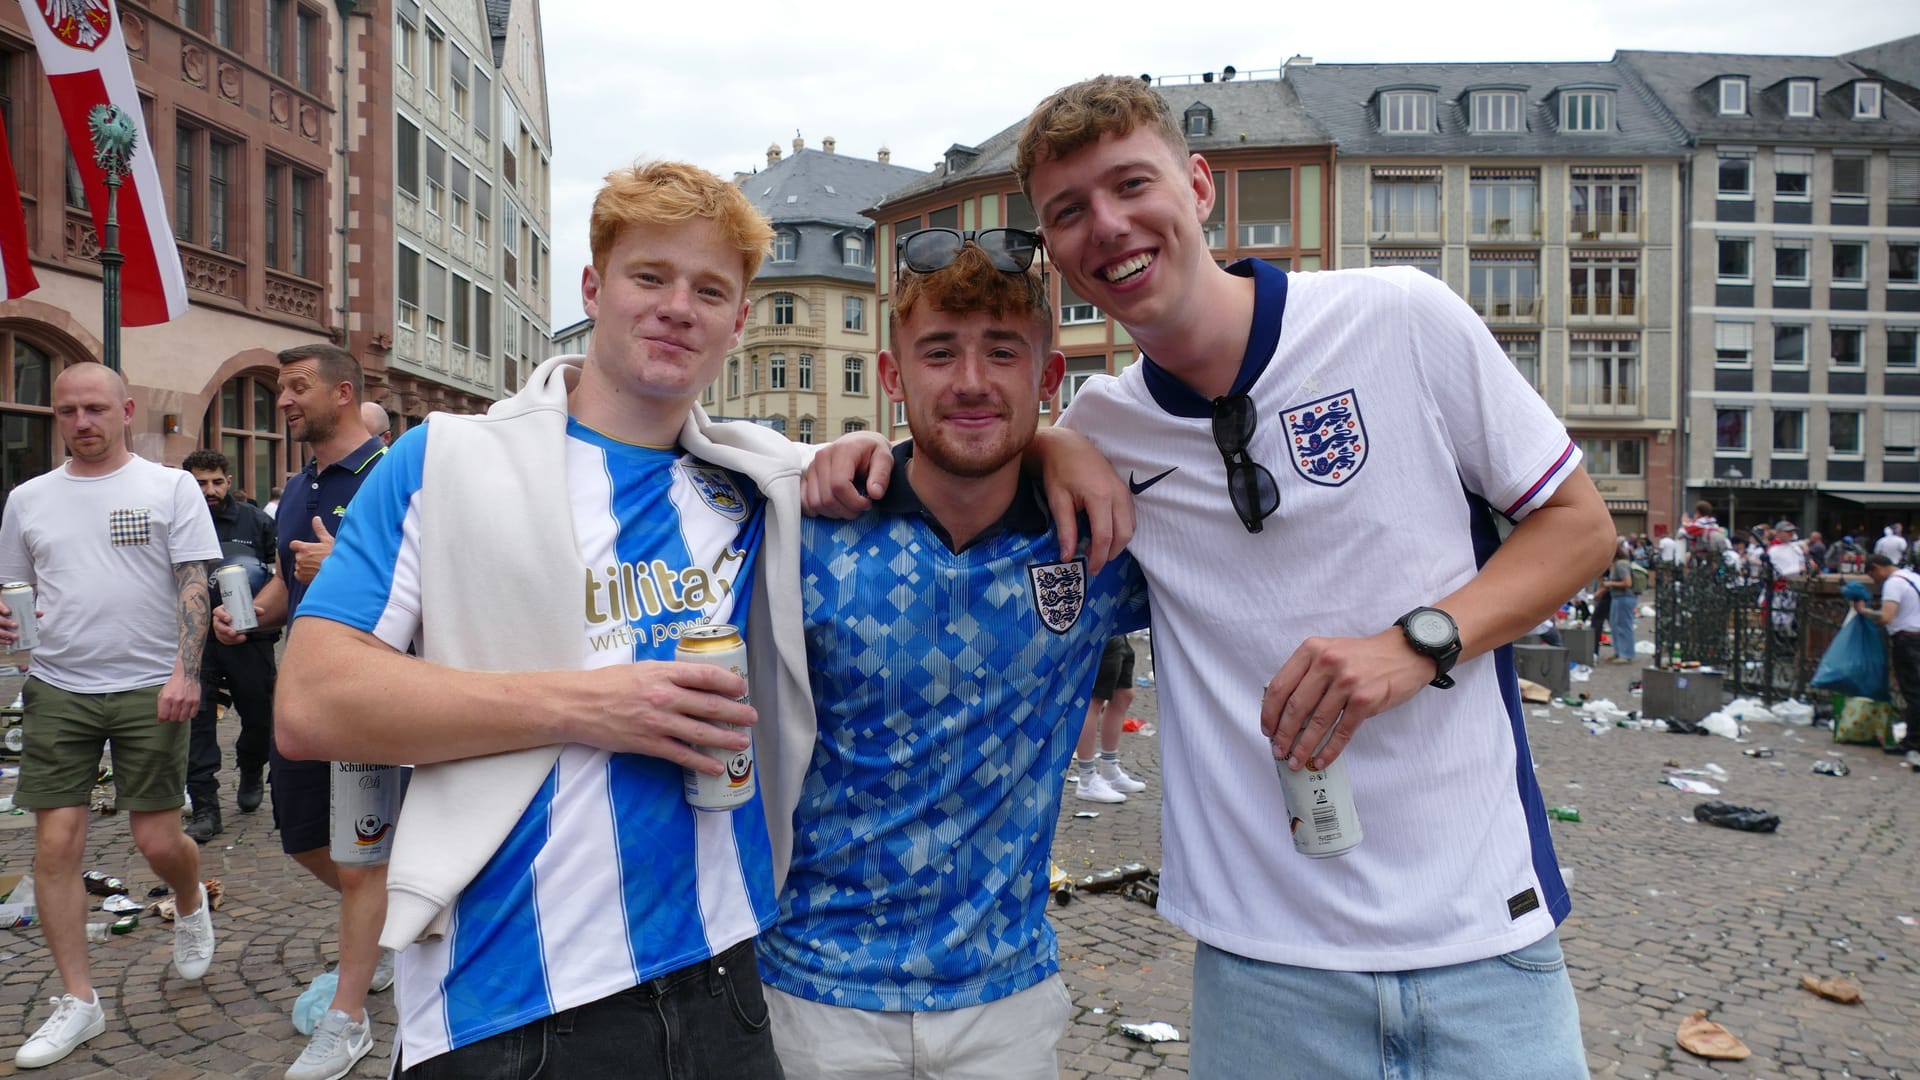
{"x": 827, "y": 144}
{"x": 885, "y": 156}
{"x": 740, "y": 178}
{"x": 799, "y": 143}
{"x": 773, "y": 153}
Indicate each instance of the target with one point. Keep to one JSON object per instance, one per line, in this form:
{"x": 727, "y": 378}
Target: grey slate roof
{"x": 1256, "y": 112}
{"x": 1341, "y": 97}
{"x": 497, "y": 13}
{"x": 1688, "y": 85}
{"x": 820, "y": 196}
{"x": 1896, "y": 61}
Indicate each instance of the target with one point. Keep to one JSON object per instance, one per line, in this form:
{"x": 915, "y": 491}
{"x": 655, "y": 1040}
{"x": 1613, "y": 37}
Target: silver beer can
{"x": 236, "y": 595}
{"x": 1320, "y": 808}
{"x": 720, "y": 645}
{"x": 18, "y": 596}
{"x": 365, "y": 805}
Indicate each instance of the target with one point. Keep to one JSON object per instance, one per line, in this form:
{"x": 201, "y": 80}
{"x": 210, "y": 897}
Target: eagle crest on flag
{"x": 82, "y": 24}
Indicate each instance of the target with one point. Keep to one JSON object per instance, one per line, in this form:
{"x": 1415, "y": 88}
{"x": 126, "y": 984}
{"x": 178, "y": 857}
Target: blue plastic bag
{"x": 1855, "y": 663}
{"x": 313, "y": 1002}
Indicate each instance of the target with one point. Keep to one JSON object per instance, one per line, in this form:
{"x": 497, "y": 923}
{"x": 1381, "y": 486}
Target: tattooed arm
{"x": 180, "y": 698}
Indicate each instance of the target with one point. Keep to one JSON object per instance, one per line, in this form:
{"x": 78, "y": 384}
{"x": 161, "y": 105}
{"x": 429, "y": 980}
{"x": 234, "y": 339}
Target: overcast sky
{"x": 714, "y": 82}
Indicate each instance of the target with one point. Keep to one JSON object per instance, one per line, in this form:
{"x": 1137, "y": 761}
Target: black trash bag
{"x": 1684, "y": 727}
{"x": 1729, "y": 816}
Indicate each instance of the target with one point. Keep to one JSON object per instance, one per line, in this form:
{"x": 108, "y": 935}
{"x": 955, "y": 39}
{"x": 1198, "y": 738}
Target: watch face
{"x": 1431, "y": 628}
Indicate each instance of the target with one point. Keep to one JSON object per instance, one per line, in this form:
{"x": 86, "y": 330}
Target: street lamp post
{"x": 1733, "y": 498}
{"x": 114, "y": 137}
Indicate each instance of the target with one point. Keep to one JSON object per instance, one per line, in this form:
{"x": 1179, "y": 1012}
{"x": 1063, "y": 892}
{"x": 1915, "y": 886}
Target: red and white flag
{"x": 85, "y": 56}
{"x": 16, "y": 265}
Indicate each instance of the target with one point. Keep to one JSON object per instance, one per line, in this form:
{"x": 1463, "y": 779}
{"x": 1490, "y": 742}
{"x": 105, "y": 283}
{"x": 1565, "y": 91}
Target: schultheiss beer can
{"x": 236, "y": 595}
{"x": 1320, "y": 808}
{"x": 19, "y": 599}
{"x": 720, "y": 645}
{"x": 366, "y": 803}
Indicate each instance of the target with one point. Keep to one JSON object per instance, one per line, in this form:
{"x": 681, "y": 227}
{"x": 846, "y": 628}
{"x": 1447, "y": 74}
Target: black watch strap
{"x": 1444, "y": 653}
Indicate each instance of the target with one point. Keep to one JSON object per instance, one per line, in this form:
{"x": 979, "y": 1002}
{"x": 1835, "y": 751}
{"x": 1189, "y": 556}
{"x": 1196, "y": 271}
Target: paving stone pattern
{"x": 1669, "y": 916}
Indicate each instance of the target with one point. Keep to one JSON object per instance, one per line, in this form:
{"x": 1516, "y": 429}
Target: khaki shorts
{"x": 65, "y": 733}
{"x": 1014, "y": 1038}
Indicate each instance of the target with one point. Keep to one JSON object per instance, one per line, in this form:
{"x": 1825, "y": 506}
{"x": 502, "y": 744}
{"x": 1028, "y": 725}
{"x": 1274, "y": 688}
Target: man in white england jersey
{"x": 1275, "y": 425}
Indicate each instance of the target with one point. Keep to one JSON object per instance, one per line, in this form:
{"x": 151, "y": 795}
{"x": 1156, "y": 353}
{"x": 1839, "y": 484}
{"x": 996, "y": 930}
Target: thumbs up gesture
{"x": 308, "y": 555}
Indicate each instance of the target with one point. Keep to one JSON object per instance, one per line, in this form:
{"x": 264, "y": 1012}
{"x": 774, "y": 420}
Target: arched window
{"x": 783, "y": 309}
{"x": 854, "y": 253}
{"x": 856, "y": 376}
{"x": 31, "y": 445}
{"x": 852, "y": 426}
{"x": 806, "y": 371}
{"x": 777, "y": 371}
{"x": 733, "y": 378}
{"x": 247, "y": 427}
{"x": 806, "y": 430}
{"x": 784, "y": 244}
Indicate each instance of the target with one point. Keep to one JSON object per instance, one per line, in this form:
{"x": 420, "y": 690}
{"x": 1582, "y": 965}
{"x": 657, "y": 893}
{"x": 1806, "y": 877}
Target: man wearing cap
{"x": 1899, "y": 612}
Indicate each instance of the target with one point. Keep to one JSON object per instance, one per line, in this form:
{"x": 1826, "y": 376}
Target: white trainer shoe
{"x": 72, "y": 1023}
{"x": 339, "y": 1042}
{"x": 1094, "y": 788}
{"x": 193, "y": 940}
{"x": 1117, "y": 778}
{"x": 382, "y": 972}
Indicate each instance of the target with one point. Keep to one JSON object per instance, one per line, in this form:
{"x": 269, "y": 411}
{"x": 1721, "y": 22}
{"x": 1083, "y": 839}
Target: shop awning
{"x": 1627, "y": 506}
{"x": 1871, "y": 498}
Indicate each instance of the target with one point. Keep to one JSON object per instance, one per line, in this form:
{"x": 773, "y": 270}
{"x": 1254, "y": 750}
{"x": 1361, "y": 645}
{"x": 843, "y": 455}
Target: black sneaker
{"x": 205, "y": 824}
{"x": 252, "y": 790}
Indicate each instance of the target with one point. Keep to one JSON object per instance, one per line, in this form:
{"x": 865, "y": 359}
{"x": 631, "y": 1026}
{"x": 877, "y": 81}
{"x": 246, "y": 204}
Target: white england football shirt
{"x": 1385, "y": 410}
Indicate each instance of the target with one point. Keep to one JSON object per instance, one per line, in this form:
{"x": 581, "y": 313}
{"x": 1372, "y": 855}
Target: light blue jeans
{"x": 1509, "y": 1017}
{"x": 1621, "y": 617}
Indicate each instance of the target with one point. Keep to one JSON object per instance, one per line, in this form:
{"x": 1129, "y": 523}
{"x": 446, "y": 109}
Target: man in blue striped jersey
{"x": 952, "y": 654}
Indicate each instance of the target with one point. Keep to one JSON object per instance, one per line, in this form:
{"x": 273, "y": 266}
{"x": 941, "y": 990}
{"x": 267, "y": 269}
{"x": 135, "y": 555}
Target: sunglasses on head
{"x": 1010, "y": 250}
{"x": 1252, "y": 488}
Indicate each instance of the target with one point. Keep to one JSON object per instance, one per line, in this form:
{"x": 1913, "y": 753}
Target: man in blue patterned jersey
{"x": 952, "y": 654}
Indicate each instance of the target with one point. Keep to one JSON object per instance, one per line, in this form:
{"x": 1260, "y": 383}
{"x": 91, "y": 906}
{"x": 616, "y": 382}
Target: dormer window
{"x": 784, "y": 243}
{"x": 1586, "y": 110}
{"x": 1733, "y": 96}
{"x": 853, "y": 250}
{"x": 1866, "y": 101}
{"x": 1800, "y": 97}
{"x": 1199, "y": 121}
{"x": 1497, "y": 111}
{"x": 1406, "y": 112}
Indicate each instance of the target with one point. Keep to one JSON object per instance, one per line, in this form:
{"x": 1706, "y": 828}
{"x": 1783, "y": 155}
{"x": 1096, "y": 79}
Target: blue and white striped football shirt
{"x": 609, "y": 878}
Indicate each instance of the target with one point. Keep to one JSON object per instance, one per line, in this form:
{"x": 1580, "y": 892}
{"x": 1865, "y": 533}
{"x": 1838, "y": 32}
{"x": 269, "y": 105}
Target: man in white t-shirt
{"x": 1670, "y": 549}
{"x": 1892, "y": 543}
{"x": 1899, "y": 612}
{"x": 1274, "y": 425}
{"x": 117, "y": 549}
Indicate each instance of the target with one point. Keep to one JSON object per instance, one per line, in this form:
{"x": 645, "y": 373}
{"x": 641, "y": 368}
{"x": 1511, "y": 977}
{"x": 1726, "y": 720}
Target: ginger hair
{"x": 670, "y": 192}
{"x": 971, "y": 285}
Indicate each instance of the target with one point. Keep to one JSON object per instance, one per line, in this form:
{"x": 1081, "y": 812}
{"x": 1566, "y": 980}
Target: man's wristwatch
{"x": 1433, "y": 634}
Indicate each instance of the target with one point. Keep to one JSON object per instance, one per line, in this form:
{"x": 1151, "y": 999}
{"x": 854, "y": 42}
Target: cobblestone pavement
{"x": 1669, "y": 916}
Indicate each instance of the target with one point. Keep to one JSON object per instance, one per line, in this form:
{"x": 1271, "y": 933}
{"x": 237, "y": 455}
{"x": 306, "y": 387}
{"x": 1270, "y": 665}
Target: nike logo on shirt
{"x": 1138, "y": 486}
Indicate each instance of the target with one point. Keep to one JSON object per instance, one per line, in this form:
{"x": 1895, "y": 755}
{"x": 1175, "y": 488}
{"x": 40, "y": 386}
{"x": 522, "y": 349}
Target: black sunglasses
{"x": 1252, "y": 488}
{"x": 1010, "y": 250}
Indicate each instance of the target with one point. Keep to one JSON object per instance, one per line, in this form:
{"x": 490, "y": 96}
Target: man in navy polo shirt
{"x": 320, "y": 391}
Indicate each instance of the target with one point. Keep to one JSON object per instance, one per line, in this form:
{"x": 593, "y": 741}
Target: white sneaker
{"x": 338, "y": 1044}
{"x": 1913, "y": 759}
{"x": 382, "y": 973}
{"x": 72, "y": 1023}
{"x": 193, "y": 940}
{"x": 1118, "y": 780}
{"x": 1094, "y": 788}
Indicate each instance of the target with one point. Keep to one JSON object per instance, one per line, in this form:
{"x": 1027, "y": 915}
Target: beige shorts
{"x": 1013, "y": 1038}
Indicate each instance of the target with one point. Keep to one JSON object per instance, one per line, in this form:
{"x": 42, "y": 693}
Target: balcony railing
{"x": 1603, "y": 307}
{"x": 1402, "y": 227}
{"x": 1506, "y": 309}
{"x": 1615, "y": 401}
{"x": 1619, "y": 225}
{"x": 1517, "y": 229}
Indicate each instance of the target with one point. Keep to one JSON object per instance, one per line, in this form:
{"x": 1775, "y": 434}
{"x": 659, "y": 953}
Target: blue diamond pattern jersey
{"x": 950, "y": 688}
{"x": 609, "y": 878}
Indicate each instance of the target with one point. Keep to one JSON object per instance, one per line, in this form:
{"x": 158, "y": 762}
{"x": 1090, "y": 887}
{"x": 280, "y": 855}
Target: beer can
{"x": 236, "y": 595}
{"x": 19, "y": 600}
{"x": 1320, "y": 808}
{"x": 720, "y": 645}
{"x": 365, "y": 804}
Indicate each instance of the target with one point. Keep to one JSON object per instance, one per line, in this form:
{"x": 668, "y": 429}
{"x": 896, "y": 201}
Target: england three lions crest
{"x": 1328, "y": 439}
{"x": 1059, "y": 592}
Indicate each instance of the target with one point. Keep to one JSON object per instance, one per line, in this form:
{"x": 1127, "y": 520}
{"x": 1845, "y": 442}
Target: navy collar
{"x": 1026, "y": 514}
{"x": 1269, "y": 309}
{"x": 355, "y": 461}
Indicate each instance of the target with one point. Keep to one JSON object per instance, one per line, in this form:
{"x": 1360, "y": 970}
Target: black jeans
{"x": 1906, "y": 674}
{"x": 706, "y": 1021}
{"x": 248, "y": 672}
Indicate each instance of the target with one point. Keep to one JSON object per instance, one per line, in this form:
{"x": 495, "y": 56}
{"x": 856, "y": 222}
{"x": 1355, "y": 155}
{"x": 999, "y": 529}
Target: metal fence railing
{"x": 1765, "y": 632}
